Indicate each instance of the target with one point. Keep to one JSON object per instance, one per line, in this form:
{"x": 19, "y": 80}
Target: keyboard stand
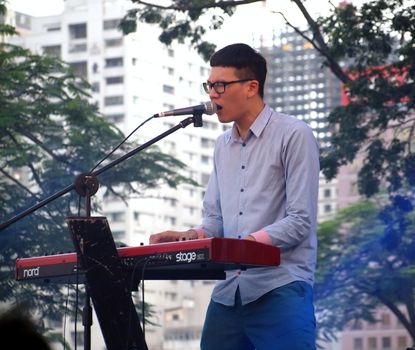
{"x": 106, "y": 283}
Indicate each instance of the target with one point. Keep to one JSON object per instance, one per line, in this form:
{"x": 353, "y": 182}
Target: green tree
{"x": 366, "y": 255}
{"x": 50, "y": 133}
{"x": 366, "y": 259}
{"x": 370, "y": 49}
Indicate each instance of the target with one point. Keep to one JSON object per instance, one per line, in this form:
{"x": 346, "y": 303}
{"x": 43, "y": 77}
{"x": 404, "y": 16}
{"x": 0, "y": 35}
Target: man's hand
{"x": 172, "y": 236}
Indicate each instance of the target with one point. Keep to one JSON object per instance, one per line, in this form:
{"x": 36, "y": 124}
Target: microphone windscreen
{"x": 210, "y": 108}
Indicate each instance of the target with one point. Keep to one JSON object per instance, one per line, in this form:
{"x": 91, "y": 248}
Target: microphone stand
{"x": 80, "y": 181}
{"x": 86, "y": 185}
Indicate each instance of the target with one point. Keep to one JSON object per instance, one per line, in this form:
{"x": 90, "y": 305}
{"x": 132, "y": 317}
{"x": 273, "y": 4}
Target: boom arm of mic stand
{"x": 196, "y": 120}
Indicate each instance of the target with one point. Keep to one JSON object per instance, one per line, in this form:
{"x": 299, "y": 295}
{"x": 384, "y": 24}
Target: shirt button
{"x": 242, "y": 190}
{"x": 240, "y": 213}
{"x": 243, "y": 166}
{"x": 244, "y": 144}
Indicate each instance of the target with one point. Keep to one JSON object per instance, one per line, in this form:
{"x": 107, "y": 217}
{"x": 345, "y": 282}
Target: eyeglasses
{"x": 220, "y": 86}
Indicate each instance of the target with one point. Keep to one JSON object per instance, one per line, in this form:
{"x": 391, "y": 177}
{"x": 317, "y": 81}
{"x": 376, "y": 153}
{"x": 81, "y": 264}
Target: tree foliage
{"x": 370, "y": 49}
{"x": 366, "y": 255}
{"x": 50, "y": 133}
{"x": 366, "y": 259}
{"x": 377, "y": 44}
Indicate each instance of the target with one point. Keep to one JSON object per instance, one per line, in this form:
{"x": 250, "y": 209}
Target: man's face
{"x": 232, "y": 102}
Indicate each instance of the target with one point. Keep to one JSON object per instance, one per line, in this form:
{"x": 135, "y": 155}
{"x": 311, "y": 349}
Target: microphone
{"x": 208, "y": 108}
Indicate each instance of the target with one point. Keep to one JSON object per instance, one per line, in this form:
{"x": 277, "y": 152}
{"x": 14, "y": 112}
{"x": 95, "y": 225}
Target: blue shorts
{"x": 282, "y": 319}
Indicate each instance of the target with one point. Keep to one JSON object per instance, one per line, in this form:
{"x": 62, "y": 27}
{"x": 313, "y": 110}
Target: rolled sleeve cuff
{"x": 200, "y": 233}
{"x": 262, "y": 236}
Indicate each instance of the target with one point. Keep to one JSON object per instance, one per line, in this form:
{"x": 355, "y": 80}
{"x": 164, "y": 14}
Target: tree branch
{"x": 18, "y": 183}
{"x": 30, "y": 165}
{"x": 320, "y": 45}
{"x": 398, "y": 313}
{"x": 34, "y": 139}
{"x": 186, "y": 7}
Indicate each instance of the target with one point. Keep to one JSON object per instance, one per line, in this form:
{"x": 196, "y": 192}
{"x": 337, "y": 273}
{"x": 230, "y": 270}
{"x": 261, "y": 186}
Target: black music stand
{"x": 97, "y": 254}
{"x": 106, "y": 283}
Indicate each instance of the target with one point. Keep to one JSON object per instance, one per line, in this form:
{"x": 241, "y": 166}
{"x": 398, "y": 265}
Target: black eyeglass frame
{"x": 208, "y": 86}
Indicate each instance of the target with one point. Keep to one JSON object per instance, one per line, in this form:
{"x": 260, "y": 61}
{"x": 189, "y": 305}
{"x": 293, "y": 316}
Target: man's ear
{"x": 253, "y": 88}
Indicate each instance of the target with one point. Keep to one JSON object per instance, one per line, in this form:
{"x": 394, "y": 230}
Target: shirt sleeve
{"x": 300, "y": 157}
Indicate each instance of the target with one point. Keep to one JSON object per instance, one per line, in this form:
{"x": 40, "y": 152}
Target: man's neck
{"x": 243, "y": 125}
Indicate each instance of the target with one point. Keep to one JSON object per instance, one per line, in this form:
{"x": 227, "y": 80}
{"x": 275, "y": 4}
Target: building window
{"x": 168, "y": 89}
{"x": 116, "y": 216}
{"x": 207, "y": 143}
{"x": 113, "y": 100}
{"x": 79, "y": 68}
{"x": 114, "y": 80}
{"x": 205, "y": 160}
{"x": 52, "y": 50}
{"x": 75, "y": 48}
{"x": 210, "y": 125}
{"x": 327, "y": 193}
{"x": 372, "y": 343}
{"x": 172, "y": 202}
{"x": 402, "y": 342}
{"x": 204, "y": 72}
{"x": 111, "y": 24}
{"x": 357, "y": 324}
{"x": 327, "y": 208}
{"x": 205, "y": 179}
{"x": 114, "y": 62}
{"x": 385, "y": 320}
{"x": 77, "y": 31}
{"x": 115, "y": 118}
{"x": 386, "y": 343}
{"x": 113, "y": 42}
{"x": 170, "y": 220}
{"x": 357, "y": 344}
{"x": 118, "y": 235}
{"x": 53, "y": 27}
{"x": 95, "y": 87}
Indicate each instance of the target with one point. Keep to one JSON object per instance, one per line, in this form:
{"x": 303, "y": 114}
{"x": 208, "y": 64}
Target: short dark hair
{"x": 248, "y": 62}
{"x": 17, "y": 328}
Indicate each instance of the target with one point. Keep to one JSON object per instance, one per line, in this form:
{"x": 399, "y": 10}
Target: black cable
{"x": 64, "y": 317}
{"x": 77, "y": 285}
{"x": 120, "y": 144}
{"x": 79, "y": 213}
{"x": 79, "y": 205}
{"x": 76, "y": 305}
{"x": 132, "y": 279}
{"x": 142, "y": 297}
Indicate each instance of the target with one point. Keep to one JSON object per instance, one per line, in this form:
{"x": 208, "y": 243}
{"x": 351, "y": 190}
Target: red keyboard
{"x": 196, "y": 259}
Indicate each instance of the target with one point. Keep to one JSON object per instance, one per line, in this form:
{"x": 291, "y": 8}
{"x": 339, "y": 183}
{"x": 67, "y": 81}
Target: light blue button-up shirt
{"x": 267, "y": 182}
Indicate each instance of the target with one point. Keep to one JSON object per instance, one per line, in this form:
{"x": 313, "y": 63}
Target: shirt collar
{"x": 256, "y": 128}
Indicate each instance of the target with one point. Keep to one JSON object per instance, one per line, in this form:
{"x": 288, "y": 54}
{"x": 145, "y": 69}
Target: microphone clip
{"x": 197, "y": 119}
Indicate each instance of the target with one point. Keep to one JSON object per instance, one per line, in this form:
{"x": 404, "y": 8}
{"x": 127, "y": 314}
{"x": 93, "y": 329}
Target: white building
{"x": 134, "y": 77}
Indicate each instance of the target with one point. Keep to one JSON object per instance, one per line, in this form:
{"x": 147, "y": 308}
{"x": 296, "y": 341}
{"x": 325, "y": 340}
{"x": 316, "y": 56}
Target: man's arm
{"x": 301, "y": 164}
{"x": 172, "y": 236}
